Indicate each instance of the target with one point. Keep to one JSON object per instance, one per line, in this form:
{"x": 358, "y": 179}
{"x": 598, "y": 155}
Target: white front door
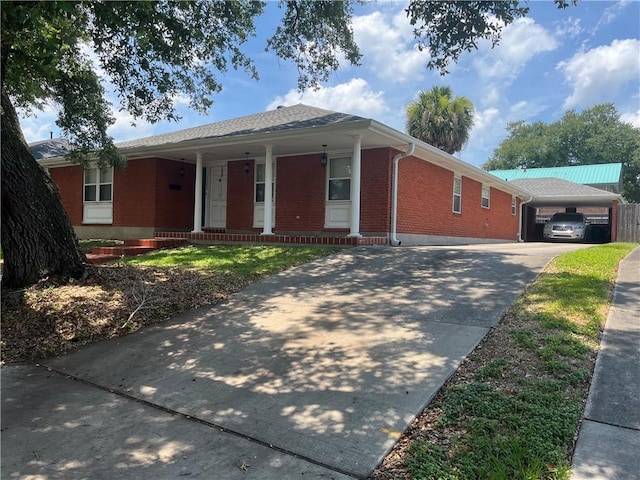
{"x": 217, "y": 183}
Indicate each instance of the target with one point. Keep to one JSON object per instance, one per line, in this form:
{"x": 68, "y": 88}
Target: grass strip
{"x": 52, "y": 317}
{"x": 241, "y": 260}
{"x": 513, "y": 409}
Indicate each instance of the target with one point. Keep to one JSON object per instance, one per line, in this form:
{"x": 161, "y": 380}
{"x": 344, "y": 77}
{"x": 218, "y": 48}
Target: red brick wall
{"x": 70, "y": 182}
{"x": 173, "y": 207}
{"x": 134, "y": 194}
{"x": 300, "y": 194}
{"x": 425, "y": 205}
{"x": 375, "y": 190}
{"x": 141, "y": 194}
{"x": 240, "y": 196}
{"x": 143, "y": 198}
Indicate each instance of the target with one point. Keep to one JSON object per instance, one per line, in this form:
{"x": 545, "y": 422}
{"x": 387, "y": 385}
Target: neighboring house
{"x": 590, "y": 189}
{"x": 297, "y": 171}
{"x": 607, "y": 176}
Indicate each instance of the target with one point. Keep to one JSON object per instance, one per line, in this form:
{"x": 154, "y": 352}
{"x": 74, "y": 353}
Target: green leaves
{"x": 439, "y": 119}
{"x": 447, "y": 29}
{"x": 152, "y": 53}
{"x": 313, "y": 34}
{"x": 594, "y": 136}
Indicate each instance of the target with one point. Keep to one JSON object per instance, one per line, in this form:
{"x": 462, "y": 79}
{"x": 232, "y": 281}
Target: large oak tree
{"x": 153, "y": 52}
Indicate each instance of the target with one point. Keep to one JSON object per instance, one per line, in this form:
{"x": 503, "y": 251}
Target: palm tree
{"x": 439, "y": 119}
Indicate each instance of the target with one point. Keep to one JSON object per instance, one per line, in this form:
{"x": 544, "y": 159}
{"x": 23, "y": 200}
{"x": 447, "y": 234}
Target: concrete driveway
{"x": 313, "y": 373}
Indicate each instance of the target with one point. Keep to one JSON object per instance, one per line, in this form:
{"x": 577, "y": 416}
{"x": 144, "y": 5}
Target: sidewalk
{"x": 608, "y": 445}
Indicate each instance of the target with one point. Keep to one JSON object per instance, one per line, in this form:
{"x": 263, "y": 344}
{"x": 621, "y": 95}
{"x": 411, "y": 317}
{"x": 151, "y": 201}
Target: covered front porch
{"x": 234, "y": 194}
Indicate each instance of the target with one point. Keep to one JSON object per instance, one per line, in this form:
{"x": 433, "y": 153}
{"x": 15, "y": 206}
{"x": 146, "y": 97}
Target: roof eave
{"x": 449, "y": 161}
{"x": 585, "y": 200}
{"x": 261, "y": 138}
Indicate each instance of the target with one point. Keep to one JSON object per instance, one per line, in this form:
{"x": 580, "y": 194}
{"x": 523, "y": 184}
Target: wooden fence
{"x": 629, "y": 223}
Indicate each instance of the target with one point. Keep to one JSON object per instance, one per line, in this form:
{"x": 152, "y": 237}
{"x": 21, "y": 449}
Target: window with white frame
{"x": 514, "y": 205}
{"x": 98, "y": 184}
{"x": 457, "y": 194}
{"x": 486, "y": 192}
{"x": 339, "y": 179}
{"x": 260, "y": 183}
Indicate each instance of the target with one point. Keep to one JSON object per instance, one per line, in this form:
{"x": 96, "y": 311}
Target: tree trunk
{"x": 37, "y": 237}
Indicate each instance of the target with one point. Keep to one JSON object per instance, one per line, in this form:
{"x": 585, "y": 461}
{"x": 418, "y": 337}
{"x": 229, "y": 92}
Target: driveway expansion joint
{"x": 610, "y": 424}
{"x": 201, "y": 421}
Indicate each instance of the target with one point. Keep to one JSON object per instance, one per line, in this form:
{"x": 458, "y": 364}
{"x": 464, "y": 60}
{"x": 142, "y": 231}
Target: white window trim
{"x": 255, "y": 182}
{"x": 258, "y": 207}
{"x": 97, "y": 211}
{"x": 98, "y": 184}
{"x": 332, "y": 157}
{"x": 514, "y": 205}
{"x": 486, "y": 197}
{"x": 337, "y": 213}
{"x": 453, "y": 203}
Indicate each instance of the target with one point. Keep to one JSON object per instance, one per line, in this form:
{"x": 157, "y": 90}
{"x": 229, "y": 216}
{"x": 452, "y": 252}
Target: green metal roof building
{"x": 607, "y": 176}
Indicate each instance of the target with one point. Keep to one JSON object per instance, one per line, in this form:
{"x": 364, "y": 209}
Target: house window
{"x": 514, "y": 205}
{"x": 98, "y": 196}
{"x": 260, "y": 183}
{"x": 457, "y": 194}
{"x": 339, "y": 179}
{"x": 486, "y": 192}
{"x": 98, "y": 184}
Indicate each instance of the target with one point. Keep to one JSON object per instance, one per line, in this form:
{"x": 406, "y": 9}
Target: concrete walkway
{"x": 608, "y": 445}
{"x": 312, "y": 373}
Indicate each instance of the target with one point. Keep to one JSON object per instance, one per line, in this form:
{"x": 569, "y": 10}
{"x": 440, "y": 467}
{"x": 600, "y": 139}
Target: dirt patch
{"x": 50, "y": 318}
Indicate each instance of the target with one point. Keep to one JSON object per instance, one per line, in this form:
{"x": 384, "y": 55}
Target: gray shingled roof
{"x": 280, "y": 119}
{"x": 554, "y": 187}
{"x": 55, "y": 147}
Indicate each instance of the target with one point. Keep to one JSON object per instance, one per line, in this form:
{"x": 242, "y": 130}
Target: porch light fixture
{"x": 324, "y": 158}
{"x": 247, "y": 167}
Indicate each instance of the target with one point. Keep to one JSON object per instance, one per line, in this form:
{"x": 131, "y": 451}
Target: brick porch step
{"x": 156, "y": 242}
{"x": 132, "y": 247}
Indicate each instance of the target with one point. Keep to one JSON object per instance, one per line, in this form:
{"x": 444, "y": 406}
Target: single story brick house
{"x": 332, "y": 176}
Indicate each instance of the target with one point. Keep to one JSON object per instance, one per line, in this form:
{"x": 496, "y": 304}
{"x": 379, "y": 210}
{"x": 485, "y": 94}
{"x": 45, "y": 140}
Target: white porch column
{"x": 268, "y": 191}
{"x": 197, "y": 205}
{"x": 355, "y": 187}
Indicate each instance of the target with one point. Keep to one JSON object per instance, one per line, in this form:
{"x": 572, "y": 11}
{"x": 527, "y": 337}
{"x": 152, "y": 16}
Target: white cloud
{"x": 388, "y": 47}
{"x": 569, "y": 27}
{"x": 633, "y": 118}
{"x": 611, "y": 13}
{"x": 355, "y": 96}
{"x": 123, "y": 129}
{"x": 599, "y": 74}
{"x": 521, "y": 41}
{"x": 40, "y": 124}
{"x": 484, "y": 119}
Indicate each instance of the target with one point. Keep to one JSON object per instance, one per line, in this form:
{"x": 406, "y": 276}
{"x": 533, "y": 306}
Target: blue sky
{"x": 548, "y": 62}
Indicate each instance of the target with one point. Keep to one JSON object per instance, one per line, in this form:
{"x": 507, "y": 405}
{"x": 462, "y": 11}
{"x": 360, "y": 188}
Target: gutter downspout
{"x": 394, "y": 193}
{"x": 522, "y": 204}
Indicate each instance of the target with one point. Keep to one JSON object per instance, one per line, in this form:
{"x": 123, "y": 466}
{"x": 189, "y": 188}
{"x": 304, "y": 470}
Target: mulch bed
{"x": 52, "y": 318}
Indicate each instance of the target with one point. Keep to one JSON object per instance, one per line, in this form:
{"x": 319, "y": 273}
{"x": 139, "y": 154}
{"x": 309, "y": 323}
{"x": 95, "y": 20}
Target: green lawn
{"x": 246, "y": 261}
{"x": 515, "y": 415}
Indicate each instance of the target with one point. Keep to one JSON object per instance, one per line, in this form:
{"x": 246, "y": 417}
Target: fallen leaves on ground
{"x": 52, "y": 318}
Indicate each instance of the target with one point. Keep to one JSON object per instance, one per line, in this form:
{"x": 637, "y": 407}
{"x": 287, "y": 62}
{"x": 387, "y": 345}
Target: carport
{"x": 551, "y": 195}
